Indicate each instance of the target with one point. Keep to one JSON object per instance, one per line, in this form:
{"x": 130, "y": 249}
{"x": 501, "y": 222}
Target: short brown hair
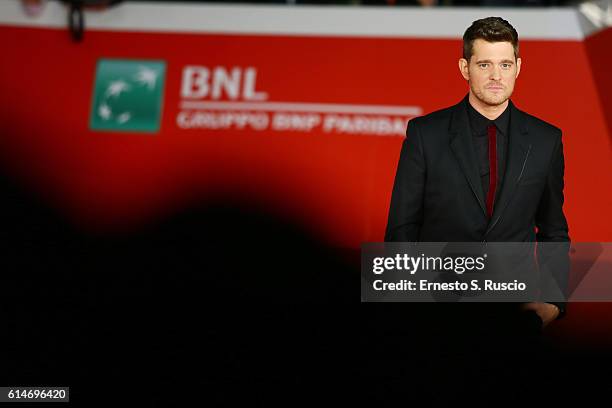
{"x": 491, "y": 29}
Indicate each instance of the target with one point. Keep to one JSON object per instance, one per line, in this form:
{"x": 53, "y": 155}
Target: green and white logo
{"x": 128, "y": 95}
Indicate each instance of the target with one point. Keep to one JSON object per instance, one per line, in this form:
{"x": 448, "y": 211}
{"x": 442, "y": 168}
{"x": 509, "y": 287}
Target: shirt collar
{"x": 479, "y": 123}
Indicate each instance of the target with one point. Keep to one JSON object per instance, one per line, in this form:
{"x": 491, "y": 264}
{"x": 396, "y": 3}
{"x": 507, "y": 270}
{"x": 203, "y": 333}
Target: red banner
{"x": 309, "y": 126}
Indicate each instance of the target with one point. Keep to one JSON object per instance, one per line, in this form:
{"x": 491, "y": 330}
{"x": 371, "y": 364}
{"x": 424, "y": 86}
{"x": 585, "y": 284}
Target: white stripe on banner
{"x": 306, "y": 20}
{"x": 304, "y": 107}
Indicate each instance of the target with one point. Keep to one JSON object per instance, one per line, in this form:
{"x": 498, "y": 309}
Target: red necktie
{"x": 492, "y": 168}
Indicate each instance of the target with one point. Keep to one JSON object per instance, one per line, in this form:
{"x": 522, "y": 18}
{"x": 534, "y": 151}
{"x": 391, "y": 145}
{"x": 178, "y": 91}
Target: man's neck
{"x": 490, "y": 112}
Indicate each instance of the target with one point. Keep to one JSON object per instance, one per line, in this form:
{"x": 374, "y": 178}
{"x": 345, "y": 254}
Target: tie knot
{"x": 491, "y": 129}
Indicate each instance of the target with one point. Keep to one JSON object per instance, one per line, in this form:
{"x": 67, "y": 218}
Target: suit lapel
{"x": 462, "y": 147}
{"x": 519, "y": 150}
{"x": 517, "y": 156}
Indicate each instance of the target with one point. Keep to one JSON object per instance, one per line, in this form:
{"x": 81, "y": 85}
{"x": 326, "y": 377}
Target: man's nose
{"x": 496, "y": 73}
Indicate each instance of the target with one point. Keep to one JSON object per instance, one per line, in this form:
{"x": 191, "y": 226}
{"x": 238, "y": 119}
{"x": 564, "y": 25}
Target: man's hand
{"x": 546, "y": 311}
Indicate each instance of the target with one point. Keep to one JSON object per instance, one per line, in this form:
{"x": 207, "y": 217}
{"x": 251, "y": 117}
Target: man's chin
{"x": 494, "y": 100}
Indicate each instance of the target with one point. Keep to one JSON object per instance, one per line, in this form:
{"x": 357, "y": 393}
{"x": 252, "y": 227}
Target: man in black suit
{"x": 482, "y": 170}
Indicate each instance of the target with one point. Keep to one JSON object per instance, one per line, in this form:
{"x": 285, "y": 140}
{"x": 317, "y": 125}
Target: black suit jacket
{"x": 437, "y": 194}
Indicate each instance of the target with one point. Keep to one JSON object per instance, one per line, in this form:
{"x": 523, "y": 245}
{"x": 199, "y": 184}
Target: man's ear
{"x": 518, "y": 66}
{"x": 463, "y": 68}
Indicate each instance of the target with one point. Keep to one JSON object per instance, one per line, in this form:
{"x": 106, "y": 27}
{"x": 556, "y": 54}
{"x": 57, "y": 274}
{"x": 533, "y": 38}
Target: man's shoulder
{"x": 540, "y": 126}
{"x": 436, "y": 118}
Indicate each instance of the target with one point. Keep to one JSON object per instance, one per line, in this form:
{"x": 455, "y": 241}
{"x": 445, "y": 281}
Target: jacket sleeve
{"x": 406, "y": 208}
{"x": 552, "y": 229}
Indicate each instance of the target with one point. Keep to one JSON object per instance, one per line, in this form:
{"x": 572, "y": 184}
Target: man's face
{"x": 491, "y": 71}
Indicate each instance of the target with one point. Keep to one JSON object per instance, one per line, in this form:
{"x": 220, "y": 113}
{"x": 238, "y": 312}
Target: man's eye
{"x": 483, "y": 65}
{"x": 505, "y": 66}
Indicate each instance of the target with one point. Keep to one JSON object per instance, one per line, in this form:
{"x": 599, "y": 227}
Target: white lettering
{"x": 295, "y": 121}
{"x": 222, "y": 120}
{"x": 222, "y": 81}
{"x": 248, "y": 91}
{"x": 195, "y": 82}
{"x": 378, "y": 125}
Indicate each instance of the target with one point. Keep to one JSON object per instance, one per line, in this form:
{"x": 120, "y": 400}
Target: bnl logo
{"x": 128, "y": 95}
